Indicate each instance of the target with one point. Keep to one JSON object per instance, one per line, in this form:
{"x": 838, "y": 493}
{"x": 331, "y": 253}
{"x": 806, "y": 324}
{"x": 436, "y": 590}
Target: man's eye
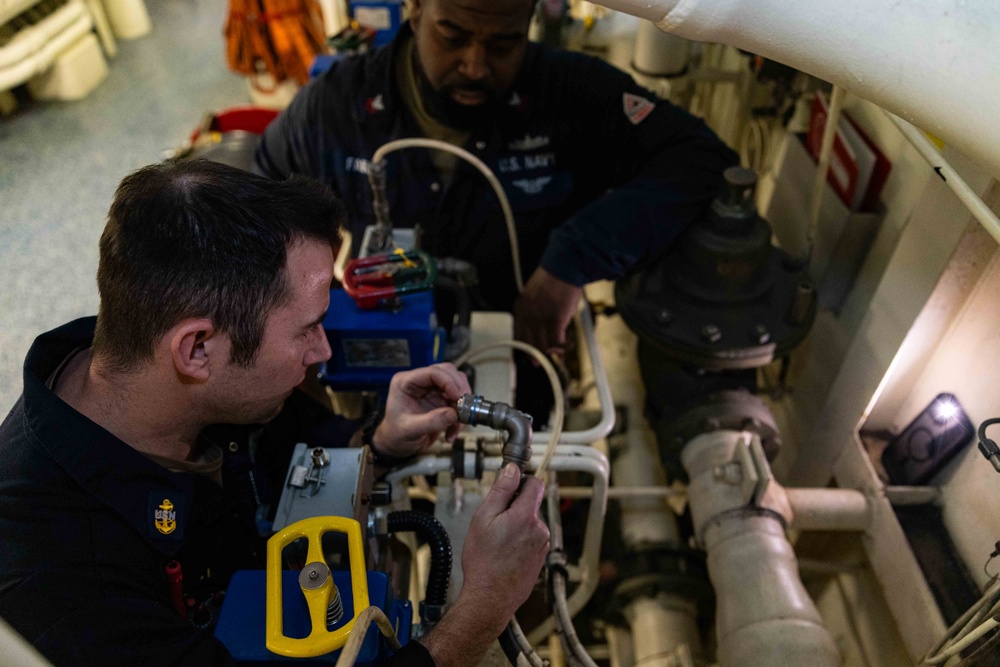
{"x": 452, "y": 42}
{"x": 500, "y": 48}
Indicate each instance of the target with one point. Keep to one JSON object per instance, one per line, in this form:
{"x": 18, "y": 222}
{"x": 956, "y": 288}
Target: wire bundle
{"x": 279, "y": 37}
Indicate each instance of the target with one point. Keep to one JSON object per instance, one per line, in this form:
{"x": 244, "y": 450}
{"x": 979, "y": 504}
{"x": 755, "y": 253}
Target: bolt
{"x": 711, "y": 333}
{"x": 314, "y": 575}
{"x": 664, "y": 316}
{"x": 760, "y": 334}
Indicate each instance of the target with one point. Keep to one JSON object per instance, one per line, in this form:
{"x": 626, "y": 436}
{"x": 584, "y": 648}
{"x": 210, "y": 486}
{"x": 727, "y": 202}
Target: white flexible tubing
{"x": 564, "y": 621}
{"x": 962, "y": 644}
{"x": 557, "y": 392}
{"x": 986, "y": 217}
{"x": 992, "y": 589}
{"x": 598, "y": 467}
{"x": 353, "y": 646}
{"x": 508, "y": 214}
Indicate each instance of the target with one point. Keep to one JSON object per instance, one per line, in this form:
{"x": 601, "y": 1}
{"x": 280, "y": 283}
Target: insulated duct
{"x": 933, "y": 62}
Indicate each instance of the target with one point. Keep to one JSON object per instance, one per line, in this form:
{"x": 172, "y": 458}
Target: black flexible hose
{"x": 509, "y": 646}
{"x": 463, "y": 303}
{"x": 431, "y": 530}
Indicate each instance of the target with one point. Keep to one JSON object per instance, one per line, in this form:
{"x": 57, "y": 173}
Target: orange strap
{"x": 279, "y": 37}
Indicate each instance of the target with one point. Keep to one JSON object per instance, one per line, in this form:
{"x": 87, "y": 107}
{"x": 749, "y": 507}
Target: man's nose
{"x": 320, "y": 350}
{"x": 473, "y": 65}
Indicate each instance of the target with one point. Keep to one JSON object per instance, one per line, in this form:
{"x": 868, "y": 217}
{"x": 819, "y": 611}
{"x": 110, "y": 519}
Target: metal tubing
{"x": 829, "y": 509}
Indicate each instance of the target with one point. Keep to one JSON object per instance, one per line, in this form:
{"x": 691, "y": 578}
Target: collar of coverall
{"x": 380, "y": 103}
{"x": 108, "y": 469}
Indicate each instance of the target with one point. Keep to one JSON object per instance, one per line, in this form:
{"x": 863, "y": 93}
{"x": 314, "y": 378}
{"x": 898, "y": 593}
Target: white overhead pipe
{"x": 986, "y": 217}
{"x": 933, "y": 62}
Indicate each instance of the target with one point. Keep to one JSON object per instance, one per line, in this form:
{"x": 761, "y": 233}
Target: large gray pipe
{"x": 933, "y": 62}
{"x": 764, "y": 615}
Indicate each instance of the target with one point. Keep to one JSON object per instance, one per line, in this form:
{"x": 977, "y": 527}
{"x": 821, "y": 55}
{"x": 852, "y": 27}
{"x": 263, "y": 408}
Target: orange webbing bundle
{"x": 280, "y": 37}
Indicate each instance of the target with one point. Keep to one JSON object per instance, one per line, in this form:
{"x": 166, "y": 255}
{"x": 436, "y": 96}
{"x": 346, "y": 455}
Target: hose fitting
{"x": 475, "y": 410}
{"x": 382, "y": 236}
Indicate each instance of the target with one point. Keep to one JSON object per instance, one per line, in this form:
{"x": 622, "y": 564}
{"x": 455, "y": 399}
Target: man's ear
{"x": 195, "y": 344}
{"x": 414, "y": 7}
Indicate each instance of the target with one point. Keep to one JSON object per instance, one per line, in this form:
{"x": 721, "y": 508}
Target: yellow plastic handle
{"x": 320, "y": 640}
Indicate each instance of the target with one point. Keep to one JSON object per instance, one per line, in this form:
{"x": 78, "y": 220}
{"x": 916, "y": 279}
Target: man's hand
{"x": 420, "y": 406}
{"x": 544, "y": 310}
{"x": 504, "y": 551}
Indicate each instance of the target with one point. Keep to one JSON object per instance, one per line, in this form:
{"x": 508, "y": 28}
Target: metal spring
{"x": 335, "y": 611}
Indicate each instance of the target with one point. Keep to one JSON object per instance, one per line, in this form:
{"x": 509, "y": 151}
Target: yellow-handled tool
{"x": 317, "y": 586}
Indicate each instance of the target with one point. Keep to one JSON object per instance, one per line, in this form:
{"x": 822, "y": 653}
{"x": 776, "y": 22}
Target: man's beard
{"x": 440, "y": 105}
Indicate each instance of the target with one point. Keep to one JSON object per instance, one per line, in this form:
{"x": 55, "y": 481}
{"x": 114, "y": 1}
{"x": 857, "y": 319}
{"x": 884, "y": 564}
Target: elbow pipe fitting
{"x": 475, "y": 410}
{"x": 430, "y": 529}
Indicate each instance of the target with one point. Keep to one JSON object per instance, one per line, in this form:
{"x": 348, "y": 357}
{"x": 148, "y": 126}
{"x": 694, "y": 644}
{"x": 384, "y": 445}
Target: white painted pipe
{"x": 658, "y": 53}
{"x": 568, "y": 458}
{"x": 828, "y": 509}
{"x": 764, "y": 615}
{"x": 986, "y": 217}
{"x": 617, "y": 492}
{"x": 659, "y": 625}
{"x": 933, "y": 62}
{"x": 607, "y": 420}
{"x": 823, "y": 167}
{"x": 902, "y": 496}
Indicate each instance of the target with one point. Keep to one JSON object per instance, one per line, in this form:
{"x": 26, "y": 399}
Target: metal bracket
{"x": 756, "y": 472}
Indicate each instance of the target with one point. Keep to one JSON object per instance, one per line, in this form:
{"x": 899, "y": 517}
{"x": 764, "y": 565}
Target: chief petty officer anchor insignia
{"x": 166, "y": 517}
{"x": 166, "y": 513}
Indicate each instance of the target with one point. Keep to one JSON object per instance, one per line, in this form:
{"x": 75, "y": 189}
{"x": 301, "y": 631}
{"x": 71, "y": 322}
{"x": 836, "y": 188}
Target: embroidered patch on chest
{"x": 165, "y": 512}
{"x": 529, "y": 143}
{"x": 532, "y": 186}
